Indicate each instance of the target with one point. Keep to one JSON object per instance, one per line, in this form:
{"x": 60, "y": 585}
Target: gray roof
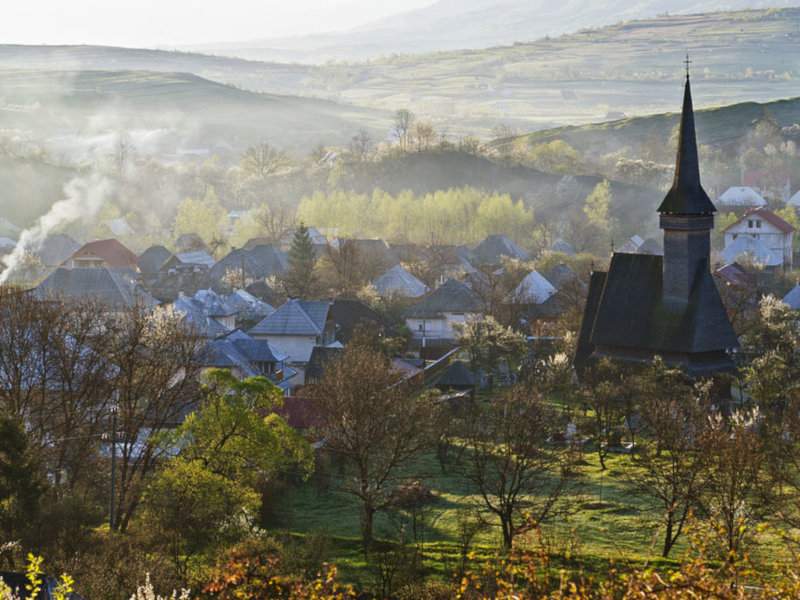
{"x": 259, "y": 262}
{"x": 239, "y": 350}
{"x": 494, "y": 247}
{"x": 151, "y": 259}
{"x": 57, "y": 248}
{"x": 793, "y": 298}
{"x": 398, "y": 281}
{"x": 116, "y": 288}
{"x": 451, "y": 297}
{"x": 625, "y": 312}
{"x": 295, "y": 317}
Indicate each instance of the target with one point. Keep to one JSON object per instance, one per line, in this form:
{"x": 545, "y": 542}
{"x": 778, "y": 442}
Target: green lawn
{"x": 603, "y": 520}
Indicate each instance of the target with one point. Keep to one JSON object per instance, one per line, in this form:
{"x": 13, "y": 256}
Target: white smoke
{"x": 84, "y": 196}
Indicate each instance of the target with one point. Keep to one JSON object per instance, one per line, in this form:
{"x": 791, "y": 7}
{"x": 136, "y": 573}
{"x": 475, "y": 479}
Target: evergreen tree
{"x": 300, "y": 279}
{"x": 20, "y": 486}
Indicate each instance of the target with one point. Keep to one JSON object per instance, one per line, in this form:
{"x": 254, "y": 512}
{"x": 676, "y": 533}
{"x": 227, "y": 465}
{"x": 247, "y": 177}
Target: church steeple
{"x": 687, "y": 196}
{"x": 687, "y": 216}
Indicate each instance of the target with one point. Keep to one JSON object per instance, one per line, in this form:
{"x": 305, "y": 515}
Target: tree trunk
{"x": 367, "y": 521}
{"x": 668, "y": 539}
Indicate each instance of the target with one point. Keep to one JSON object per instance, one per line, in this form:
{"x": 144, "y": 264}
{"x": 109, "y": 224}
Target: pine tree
{"x": 300, "y": 280}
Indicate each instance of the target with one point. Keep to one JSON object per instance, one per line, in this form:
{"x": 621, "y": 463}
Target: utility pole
{"x": 112, "y": 499}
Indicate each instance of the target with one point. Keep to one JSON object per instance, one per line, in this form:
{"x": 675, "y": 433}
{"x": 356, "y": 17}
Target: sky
{"x": 164, "y": 23}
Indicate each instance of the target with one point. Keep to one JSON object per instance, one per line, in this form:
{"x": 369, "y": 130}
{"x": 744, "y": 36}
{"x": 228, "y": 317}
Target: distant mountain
{"x": 470, "y": 24}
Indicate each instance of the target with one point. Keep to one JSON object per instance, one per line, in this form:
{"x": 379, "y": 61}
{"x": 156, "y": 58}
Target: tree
{"x": 207, "y": 218}
{"x": 300, "y": 280}
{"x": 424, "y": 134}
{"x": 21, "y": 486}
{"x": 230, "y": 437}
{"x": 157, "y": 361}
{"x": 343, "y": 270}
{"x": 361, "y": 145}
{"x": 276, "y": 220}
{"x": 554, "y": 157}
{"x": 487, "y": 343}
{"x": 597, "y": 207}
{"x": 670, "y": 461}
{"x": 262, "y": 160}
{"x": 373, "y": 424}
{"x": 603, "y": 390}
{"x": 403, "y": 120}
{"x": 517, "y": 473}
{"x": 193, "y": 509}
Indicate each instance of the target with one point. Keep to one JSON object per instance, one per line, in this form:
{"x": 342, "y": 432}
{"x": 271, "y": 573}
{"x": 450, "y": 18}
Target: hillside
{"x": 633, "y": 68}
{"x": 722, "y": 127}
{"x": 169, "y": 114}
{"x": 469, "y": 24}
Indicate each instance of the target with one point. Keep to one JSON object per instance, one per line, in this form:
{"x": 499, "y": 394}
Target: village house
{"x": 295, "y": 329}
{"x": 494, "y": 248}
{"x": 115, "y": 289}
{"x": 399, "y": 282}
{"x": 762, "y": 235}
{"x": 110, "y": 254}
{"x": 741, "y": 197}
{"x": 434, "y": 319}
{"x": 647, "y": 306}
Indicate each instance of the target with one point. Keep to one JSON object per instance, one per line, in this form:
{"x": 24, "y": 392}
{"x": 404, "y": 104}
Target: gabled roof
{"x": 115, "y": 288}
{"x": 736, "y": 275}
{"x": 451, "y": 297}
{"x": 494, "y": 247}
{"x": 456, "y": 375}
{"x": 533, "y": 289}
{"x": 196, "y": 257}
{"x": 238, "y": 350}
{"x": 245, "y": 303}
{"x": 741, "y": 196}
{"x": 348, "y": 314}
{"x": 258, "y": 263}
{"x": 151, "y": 259}
{"x": 398, "y": 281}
{"x": 748, "y": 247}
{"x": 687, "y": 196}
{"x": 767, "y": 215}
{"x": 295, "y": 317}
{"x": 112, "y": 252}
{"x": 793, "y": 298}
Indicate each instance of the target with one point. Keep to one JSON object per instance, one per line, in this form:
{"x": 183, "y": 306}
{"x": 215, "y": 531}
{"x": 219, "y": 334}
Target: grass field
{"x": 605, "y": 522}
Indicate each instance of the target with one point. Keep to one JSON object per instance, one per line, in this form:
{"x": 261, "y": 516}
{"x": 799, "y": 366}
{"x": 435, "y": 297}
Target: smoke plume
{"x": 83, "y": 198}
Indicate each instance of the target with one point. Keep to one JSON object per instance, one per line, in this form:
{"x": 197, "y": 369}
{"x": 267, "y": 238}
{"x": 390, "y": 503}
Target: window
{"x": 750, "y": 224}
{"x": 735, "y": 235}
{"x": 758, "y": 224}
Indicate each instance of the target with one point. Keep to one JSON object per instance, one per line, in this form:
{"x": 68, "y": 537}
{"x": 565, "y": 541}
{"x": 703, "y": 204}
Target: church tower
{"x": 686, "y": 216}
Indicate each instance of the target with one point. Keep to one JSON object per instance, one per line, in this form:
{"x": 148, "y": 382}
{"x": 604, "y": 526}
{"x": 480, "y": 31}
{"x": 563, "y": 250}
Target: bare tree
{"x": 361, "y": 145}
{"x": 372, "y": 424}
{"x": 277, "y": 220}
{"x": 517, "y": 473}
{"x": 156, "y": 384}
{"x": 403, "y": 120}
{"x": 425, "y": 135}
{"x": 262, "y": 160}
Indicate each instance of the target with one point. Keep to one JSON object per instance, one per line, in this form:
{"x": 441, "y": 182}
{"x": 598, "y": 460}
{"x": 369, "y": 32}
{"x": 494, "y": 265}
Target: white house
{"x": 760, "y": 230}
{"x": 295, "y": 329}
{"x": 436, "y": 316}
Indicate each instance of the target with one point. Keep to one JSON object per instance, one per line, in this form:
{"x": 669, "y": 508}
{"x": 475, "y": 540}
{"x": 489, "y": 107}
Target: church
{"x": 668, "y": 306}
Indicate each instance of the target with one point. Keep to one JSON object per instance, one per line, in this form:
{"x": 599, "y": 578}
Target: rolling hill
{"x": 633, "y": 68}
{"x": 169, "y": 114}
{"x": 470, "y": 24}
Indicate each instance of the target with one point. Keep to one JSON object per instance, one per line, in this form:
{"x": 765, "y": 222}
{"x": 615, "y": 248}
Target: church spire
{"x": 687, "y": 196}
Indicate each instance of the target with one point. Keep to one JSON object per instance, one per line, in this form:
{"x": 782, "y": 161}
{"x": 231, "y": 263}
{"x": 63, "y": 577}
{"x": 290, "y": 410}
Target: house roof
{"x": 151, "y": 259}
{"x": 560, "y": 275}
{"x": 494, "y": 247}
{"x": 196, "y": 257}
{"x": 562, "y": 247}
{"x": 258, "y": 263}
{"x": 295, "y": 317}
{"x": 112, "y": 252}
{"x": 239, "y": 350}
{"x": 766, "y": 214}
{"x": 748, "y": 247}
{"x": 630, "y": 312}
{"x": 348, "y": 314}
{"x": 741, "y": 196}
{"x": 190, "y": 241}
{"x": 320, "y": 357}
{"x": 456, "y": 375}
{"x": 734, "y": 274}
{"x": 398, "y": 281}
{"x": 687, "y": 196}
{"x": 533, "y": 289}
{"x": 793, "y": 298}
{"x": 114, "y": 288}
{"x": 451, "y": 297}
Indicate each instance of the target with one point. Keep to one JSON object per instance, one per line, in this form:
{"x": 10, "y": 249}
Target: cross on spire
{"x": 688, "y": 63}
